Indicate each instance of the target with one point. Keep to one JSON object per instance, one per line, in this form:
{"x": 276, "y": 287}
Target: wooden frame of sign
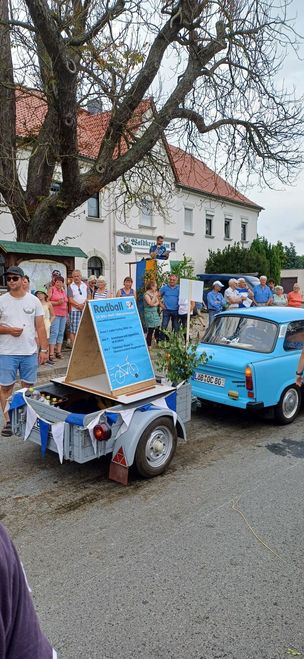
{"x": 86, "y": 369}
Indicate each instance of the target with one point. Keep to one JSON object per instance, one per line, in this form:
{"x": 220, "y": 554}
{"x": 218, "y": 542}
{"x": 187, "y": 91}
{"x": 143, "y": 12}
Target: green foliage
{"x": 292, "y": 259}
{"x": 183, "y": 269}
{"x": 177, "y": 361}
{"x": 261, "y": 258}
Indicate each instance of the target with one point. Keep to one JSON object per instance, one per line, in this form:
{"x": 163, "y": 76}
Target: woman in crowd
{"x": 101, "y": 289}
{"x": 127, "y": 289}
{"x": 58, "y": 297}
{"x": 295, "y": 297}
{"x": 151, "y": 312}
{"x": 49, "y": 315}
{"x": 279, "y": 297}
{"x": 91, "y": 287}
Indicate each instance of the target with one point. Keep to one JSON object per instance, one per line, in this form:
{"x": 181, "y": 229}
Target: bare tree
{"x": 211, "y": 67}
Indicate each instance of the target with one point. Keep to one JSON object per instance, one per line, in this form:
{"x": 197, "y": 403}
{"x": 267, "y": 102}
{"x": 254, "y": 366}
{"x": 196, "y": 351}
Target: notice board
{"x": 110, "y": 353}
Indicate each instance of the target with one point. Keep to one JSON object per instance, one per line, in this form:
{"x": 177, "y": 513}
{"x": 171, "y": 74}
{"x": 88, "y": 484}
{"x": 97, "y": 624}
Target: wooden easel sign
{"x": 110, "y": 354}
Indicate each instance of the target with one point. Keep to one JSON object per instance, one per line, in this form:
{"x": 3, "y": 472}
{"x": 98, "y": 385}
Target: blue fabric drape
{"x": 44, "y": 428}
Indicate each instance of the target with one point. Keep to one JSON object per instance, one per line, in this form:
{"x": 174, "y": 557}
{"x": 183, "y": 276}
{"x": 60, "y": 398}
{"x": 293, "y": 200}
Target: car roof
{"x": 227, "y": 276}
{"x": 276, "y": 314}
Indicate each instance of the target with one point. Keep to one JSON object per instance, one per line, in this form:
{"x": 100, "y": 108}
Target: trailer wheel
{"x": 288, "y": 406}
{"x": 156, "y": 447}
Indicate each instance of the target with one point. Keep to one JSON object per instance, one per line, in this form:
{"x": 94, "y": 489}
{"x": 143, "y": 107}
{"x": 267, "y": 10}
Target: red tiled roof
{"x": 189, "y": 172}
{"x": 31, "y": 109}
{"x": 195, "y": 175}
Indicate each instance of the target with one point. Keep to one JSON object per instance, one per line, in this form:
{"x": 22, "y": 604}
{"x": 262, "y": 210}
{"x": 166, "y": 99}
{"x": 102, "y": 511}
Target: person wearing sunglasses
{"x": 77, "y": 296}
{"x": 21, "y": 318}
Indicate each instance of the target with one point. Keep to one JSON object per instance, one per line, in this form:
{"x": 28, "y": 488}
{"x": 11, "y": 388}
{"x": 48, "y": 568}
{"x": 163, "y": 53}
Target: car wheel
{"x": 156, "y": 447}
{"x": 289, "y": 405}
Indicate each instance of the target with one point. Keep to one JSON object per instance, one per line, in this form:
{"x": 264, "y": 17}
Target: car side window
{"x": 294, "y": 338}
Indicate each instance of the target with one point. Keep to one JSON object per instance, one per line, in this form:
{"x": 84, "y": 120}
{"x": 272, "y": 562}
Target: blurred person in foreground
{"x": 20, "y": 633}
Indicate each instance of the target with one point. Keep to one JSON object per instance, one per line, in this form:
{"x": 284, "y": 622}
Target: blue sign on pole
{"x": 122, "y": 342}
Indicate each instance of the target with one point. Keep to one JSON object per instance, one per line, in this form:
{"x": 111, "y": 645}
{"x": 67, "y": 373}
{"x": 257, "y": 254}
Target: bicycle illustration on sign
{"x": 120, "y": 371}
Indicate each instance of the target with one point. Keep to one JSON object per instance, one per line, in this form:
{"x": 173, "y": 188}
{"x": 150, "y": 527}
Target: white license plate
{"x": 210, "y": 379}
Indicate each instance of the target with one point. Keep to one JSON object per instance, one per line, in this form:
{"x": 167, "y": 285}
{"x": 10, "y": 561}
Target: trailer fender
{"x": 128, "y": 440}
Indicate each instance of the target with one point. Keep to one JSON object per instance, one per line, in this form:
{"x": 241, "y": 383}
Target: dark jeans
{"x": 170, "y": 315}
{"x": 150, "y": 335}
{"x": 182, "y": 318}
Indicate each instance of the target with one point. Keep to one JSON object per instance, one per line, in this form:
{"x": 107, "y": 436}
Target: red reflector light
{"x": 248, "y": 376}
{"x": 119, "y": 457}
{"x": 102, "y": 432}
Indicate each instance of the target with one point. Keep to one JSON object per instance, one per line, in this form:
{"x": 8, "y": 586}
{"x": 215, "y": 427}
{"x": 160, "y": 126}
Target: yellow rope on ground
{"x": 234, "y": 507}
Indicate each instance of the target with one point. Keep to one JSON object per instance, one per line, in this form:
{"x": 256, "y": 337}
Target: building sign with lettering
{"x": 122, "y": 342}
{"x": 128, "y": 244}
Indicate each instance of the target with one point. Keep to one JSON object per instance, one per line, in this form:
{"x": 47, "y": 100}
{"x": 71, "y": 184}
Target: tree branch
{"x": 108, "y": 16}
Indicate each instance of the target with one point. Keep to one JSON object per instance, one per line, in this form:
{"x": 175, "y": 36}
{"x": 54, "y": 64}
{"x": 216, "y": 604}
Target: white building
{"x": 204, "y": 213}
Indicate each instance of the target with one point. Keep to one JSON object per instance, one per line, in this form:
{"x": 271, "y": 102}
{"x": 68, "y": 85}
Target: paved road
{"x": 205, "y": 562}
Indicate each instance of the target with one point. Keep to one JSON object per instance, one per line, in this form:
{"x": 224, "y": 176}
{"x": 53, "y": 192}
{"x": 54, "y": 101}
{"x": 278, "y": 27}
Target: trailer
{"x": 81, "y": 426}
{"x": 109, "y": 401}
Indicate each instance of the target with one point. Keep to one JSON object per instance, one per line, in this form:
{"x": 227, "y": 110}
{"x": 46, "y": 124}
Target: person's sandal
{"x": 7, "y": 430}
{"x": 59, "y": 355}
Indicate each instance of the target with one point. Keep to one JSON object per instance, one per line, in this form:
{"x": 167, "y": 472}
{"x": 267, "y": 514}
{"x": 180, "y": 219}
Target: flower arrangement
{"x": 175, "y": 359}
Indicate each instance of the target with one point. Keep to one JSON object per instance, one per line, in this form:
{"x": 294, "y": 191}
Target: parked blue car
{"x": 252, "y": 360}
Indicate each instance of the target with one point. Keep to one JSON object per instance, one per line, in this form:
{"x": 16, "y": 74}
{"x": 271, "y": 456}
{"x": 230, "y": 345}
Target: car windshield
{"x": 242, "y": 332}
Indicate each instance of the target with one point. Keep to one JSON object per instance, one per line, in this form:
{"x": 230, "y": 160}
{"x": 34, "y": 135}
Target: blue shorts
{"x": 26, "y": 365}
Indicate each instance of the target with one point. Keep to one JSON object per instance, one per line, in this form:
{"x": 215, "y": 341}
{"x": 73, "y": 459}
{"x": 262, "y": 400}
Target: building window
{"x": 244, "y": 232}
{"x": 93, "y": 206}
{"x": 209, "y": 221}
{"x": 227, "y": 229}
{"x": 95, "y": 266}
{"x": 188, "y": 219}
{"x": 146, "y": 213}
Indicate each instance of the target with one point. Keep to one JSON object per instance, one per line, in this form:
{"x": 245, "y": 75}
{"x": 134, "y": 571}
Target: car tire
{"x": 151, "y": 459}
{"x": 288, "y": 406}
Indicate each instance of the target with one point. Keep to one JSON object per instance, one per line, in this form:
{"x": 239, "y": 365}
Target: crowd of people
{"x": 33, "y": 324}
{"x": 42, "y": 319}
{"x": 238, "y": 295}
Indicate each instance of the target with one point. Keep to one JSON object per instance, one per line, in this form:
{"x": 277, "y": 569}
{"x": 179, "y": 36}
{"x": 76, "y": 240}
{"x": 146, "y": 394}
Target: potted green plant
{"x": 176, "y": 362}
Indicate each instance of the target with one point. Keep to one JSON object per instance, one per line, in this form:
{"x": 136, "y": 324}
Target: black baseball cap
{"x": 14, "y": 270}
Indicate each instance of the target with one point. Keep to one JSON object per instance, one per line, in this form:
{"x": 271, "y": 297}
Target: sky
{"x": 283, "y": 217}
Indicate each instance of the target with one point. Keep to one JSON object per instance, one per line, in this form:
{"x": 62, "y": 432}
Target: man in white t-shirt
{"x": 231, "y": 295}
{"x": 77, "y": 296}
{"x": 21, "y": 318}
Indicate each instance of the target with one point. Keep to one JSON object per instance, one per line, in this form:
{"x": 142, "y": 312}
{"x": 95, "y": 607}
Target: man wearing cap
{"x": 21, "y": 317}
{"x": 215, "y": 300}
{"x": 263, "y": 296}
